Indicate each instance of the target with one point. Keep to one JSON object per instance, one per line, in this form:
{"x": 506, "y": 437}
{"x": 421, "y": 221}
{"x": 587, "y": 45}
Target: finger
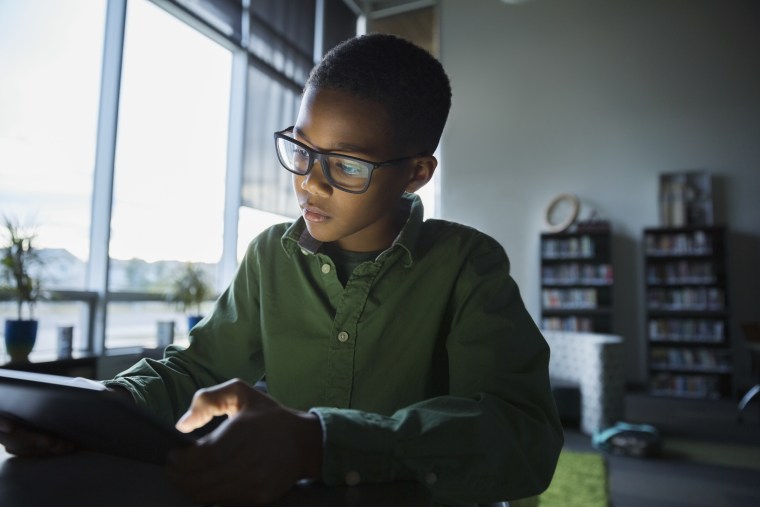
{"x": 13, "y": 436}
{"x": 27, "y": 445}
{"x": 216, "y": 448}
{"x": 217, "y": 452}
{"x": 200, "y": 456}
{"x": 21, "y": 442}
{"x": 52, "y": 448}
{"x": 224, "y": 399}
{"x": 6, "y": 426}
{"x": 233, "y": 436}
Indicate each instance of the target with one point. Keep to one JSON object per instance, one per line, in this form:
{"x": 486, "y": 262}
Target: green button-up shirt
{"x": 425, "y": 366}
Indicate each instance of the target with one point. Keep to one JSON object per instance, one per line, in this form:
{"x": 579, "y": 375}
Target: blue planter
{"x": 20, "y": 336}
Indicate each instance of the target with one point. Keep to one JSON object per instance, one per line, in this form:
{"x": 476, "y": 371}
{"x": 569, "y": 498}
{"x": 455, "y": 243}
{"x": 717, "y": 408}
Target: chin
{"x": 319, "y": 233}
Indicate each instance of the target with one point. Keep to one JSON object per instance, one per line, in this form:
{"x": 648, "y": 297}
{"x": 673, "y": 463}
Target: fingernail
{"x": 182, "y": 422}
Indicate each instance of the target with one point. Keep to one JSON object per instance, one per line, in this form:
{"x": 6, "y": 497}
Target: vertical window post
{"x": 102, "y": 194}
{"x": 235, "y": 154}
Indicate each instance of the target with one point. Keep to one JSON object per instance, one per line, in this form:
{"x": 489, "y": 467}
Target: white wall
{"x": 597, "y": 98}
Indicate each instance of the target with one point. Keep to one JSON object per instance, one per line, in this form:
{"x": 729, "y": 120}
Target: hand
{"x": 25, "y": 442}
{"x": 253, "y": 457}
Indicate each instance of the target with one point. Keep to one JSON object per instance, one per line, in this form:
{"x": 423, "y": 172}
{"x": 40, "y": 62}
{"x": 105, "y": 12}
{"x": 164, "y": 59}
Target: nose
{"x": 315, "y": 182}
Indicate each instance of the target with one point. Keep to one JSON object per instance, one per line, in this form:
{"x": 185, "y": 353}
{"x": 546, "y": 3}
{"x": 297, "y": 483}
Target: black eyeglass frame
{"x": 322, "y": 156}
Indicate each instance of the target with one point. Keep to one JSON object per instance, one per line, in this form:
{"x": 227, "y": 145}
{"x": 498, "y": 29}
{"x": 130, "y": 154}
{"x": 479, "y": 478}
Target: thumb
{"x": 228, "y": 399}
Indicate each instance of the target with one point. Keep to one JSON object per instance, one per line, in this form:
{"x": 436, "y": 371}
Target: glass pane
{"x": 282, "y": 35}
{"x": 251, "y": 223}
{"x": 50, "y": 315}
{"x": 137, "y": 323}
{"x": 50, "y": 63}
{"x": 170, "y": 158}
{"x": 271, "y": 107}
{"x": 224, "y": 15}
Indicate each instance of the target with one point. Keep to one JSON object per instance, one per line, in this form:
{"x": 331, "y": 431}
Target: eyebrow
{"x": 348, "y": 147}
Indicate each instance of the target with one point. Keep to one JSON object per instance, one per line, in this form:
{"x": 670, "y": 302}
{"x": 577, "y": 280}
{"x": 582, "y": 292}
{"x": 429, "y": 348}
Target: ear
{"x": 422, "y": 172}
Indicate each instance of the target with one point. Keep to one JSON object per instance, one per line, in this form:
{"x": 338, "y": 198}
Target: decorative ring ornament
{"x": 562, "y": 212}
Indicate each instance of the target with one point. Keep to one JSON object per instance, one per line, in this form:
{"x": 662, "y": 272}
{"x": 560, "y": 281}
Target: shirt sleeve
{"x": 495, "y": 436}
{"x": 225, "y": 345}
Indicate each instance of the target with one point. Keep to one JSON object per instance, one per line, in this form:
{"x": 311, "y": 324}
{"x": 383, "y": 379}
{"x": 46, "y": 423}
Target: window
{"x": 184, "y": 62}
{"x": 50, "y": 55}
{"x": 50, "y": 63}
{"x": 170, "y": 164}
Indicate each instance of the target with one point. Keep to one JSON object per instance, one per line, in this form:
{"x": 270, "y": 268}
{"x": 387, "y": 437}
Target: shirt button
{"x": 342, "y": 337}
{"x": 304, "y": 251}
{"x": 430, "y": 478}
{"x": 325, "y": 268}
{"x": 353, "y": 478}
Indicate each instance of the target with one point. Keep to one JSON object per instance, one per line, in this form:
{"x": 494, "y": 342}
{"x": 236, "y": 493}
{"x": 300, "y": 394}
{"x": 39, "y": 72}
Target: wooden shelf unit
{"x": 577, "y": 279}
{"x": 687, "y": 312}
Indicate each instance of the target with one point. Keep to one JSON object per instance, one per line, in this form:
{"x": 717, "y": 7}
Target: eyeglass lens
{"x": 340, "y": 171}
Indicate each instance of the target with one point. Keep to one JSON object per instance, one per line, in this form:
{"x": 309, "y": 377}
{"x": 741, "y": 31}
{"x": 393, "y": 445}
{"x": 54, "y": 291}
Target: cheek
{"x": 390, "y": 186}
{"x": 383, "y": 200}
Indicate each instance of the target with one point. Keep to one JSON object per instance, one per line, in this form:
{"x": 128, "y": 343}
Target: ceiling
{"x": 375, "y": 9}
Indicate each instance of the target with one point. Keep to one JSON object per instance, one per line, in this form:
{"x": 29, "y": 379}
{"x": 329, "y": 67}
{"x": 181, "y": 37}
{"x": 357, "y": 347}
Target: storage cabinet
{"x": 687, "y": 312}
{"x": 577, "y": 279}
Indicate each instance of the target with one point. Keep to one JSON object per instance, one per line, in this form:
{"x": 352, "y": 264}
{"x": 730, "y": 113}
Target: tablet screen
{"x": 87, "y": 414}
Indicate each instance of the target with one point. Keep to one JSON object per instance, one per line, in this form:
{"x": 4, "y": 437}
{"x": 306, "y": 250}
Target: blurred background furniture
{"x": 593, "y": 364}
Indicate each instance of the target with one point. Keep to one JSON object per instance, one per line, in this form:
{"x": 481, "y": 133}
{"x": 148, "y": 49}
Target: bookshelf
{"x": 689, "y": 353}
{"x": 577, "y": 279}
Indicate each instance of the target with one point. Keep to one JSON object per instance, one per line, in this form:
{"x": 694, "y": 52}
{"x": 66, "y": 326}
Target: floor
{"x": 674, "y": 479}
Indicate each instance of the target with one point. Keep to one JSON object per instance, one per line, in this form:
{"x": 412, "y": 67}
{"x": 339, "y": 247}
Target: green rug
{"x": 579, "y": 481}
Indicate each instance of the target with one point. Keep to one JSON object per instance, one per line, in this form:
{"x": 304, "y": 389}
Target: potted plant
{"x": 18, "y": 259}
{"x": 188, "y": 290}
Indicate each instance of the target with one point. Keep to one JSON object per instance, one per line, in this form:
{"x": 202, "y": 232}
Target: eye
{"x": 300, "y": 159}
{"x": 351, "y": 169}
{"x": 300, "y": 152}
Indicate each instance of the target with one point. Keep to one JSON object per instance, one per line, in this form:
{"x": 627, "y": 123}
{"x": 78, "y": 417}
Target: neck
{"x": 379, "y": 237}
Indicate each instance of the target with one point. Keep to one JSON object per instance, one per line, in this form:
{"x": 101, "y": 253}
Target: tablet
{"x": 87, "y": 414}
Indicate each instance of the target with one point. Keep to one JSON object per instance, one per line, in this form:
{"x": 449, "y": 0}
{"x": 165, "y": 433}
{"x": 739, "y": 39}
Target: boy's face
{"x": 339, "y": 122}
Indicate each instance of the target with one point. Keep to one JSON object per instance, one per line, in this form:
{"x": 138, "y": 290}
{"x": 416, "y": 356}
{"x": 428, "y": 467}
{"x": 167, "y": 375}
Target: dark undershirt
{"x": 345, "y": 262}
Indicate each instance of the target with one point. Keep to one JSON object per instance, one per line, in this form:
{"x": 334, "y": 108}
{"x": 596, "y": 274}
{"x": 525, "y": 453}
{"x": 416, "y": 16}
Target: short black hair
{"x": 403, "y": 78}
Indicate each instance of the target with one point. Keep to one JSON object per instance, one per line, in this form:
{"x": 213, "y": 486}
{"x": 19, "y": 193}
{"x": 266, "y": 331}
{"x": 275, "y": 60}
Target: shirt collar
{"x": 297, "y": 236}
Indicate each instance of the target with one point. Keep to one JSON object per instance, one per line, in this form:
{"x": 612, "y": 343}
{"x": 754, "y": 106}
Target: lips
{"x": 313, "y": 214}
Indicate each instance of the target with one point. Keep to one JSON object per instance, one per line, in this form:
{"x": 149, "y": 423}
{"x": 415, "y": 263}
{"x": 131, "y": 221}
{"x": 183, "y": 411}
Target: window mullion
{"x": 102, "y": 195}
{"x": 235, "y": 155}
{"x": 235, "y": 161}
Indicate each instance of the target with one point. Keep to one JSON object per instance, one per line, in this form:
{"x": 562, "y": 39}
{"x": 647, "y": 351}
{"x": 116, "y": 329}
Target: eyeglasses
{"x": 343, "y": 172}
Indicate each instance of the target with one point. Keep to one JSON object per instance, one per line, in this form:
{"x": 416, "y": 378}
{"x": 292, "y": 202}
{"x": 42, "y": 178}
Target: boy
{"x": 395, "y": 349}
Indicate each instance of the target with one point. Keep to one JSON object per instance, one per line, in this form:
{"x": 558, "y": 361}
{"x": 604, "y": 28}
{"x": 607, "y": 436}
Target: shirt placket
{"x": 341, "y": 355}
